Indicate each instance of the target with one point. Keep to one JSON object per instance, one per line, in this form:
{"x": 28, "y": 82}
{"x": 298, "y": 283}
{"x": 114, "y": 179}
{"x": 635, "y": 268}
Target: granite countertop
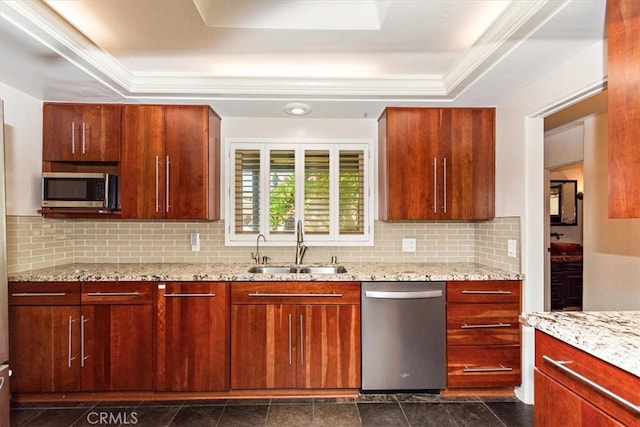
{"x": 612, "y": 336}
{"x": 239, "y": 272}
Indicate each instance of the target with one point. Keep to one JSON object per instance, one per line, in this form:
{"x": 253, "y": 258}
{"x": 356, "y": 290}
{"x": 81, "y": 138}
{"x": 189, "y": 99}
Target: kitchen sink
{"x": 269, "y": 269}
{"x": 322, "y": 270}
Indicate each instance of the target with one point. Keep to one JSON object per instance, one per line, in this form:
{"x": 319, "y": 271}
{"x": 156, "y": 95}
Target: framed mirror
{"x": 563, "y": 202}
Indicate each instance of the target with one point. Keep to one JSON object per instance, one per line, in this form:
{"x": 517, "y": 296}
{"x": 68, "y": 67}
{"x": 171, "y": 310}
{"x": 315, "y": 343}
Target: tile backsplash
{"x": 35, "y": 242}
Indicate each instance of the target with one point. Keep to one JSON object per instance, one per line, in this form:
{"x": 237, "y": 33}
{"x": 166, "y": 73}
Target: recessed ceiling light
{"x": 297, "y": 109}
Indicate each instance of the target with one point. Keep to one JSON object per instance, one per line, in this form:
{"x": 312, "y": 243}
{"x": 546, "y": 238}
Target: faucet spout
{"x": 301, "y": 249}
{"x": 256, "y": 256}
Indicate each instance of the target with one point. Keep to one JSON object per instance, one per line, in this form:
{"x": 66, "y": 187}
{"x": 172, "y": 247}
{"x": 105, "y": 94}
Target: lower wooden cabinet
{"x": 295, "y": 335}
{"x": 64, "y": 339}
{"x": 573, "y": 388}
{"x": 483, "y": 334}
{"x": 192, "y": 351}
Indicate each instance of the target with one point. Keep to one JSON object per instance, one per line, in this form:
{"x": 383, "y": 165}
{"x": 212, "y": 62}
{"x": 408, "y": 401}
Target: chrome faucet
{"x": 300, "y": 247}
{"x": 256, "y": 256}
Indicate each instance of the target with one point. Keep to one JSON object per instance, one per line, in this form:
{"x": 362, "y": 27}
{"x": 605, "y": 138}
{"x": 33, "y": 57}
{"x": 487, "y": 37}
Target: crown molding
{"x": 512, "y": 27}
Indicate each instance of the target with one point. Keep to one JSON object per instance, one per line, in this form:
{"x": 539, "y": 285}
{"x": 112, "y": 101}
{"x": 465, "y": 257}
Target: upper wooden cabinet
{"x": 623, "y": 63}
{"x": 170, "y": 162}
{"x": 81, "y": 132}
{"x": 436, "y": 163}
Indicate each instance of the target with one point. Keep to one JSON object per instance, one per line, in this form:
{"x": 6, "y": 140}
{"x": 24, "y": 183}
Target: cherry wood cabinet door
{"x": 193, "y": 340}
{"x": 186, "y": 133}
{"x": 263, "y": 346}
{"x": 81, "y": 132}
{"x": 556, "y": 405}
{"x": 142, "y": 185}
{"x": 623, "y": 76}
{"x": 467, "y": 159}
{"x": 329, "y": 354}
{"x": 45, "y": 349}
{"x": 408, "y": 150}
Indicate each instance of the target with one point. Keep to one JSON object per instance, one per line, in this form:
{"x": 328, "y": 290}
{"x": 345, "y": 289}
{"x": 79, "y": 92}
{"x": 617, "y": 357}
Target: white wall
{"x": 23, "y": 151}
{"x": 520, "y": 171}
{"x": 611, "y": 246}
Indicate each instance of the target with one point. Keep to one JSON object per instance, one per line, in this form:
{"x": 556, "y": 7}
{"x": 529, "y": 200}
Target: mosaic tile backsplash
{"x": 35, "y": 242}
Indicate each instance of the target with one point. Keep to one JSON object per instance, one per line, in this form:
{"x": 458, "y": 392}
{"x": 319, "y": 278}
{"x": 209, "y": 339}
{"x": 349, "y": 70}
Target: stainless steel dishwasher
{"x": 403, "y": 336}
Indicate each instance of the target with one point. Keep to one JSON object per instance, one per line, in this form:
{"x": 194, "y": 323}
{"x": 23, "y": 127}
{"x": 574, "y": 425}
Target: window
{"x": 324, "y": 184}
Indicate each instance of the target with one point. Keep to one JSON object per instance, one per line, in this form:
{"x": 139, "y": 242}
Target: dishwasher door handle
{"x": 403, "y": 295}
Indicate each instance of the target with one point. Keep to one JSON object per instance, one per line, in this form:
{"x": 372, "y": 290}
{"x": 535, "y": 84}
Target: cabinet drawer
{"x": 483, "y": 324}
{"x": 295, "y": 292}
{"x": 117, "y": 293}
{"x": 483, "y": 366}
{"x": 44, "y": 293}
{"x": 484, "y": 291}
{"x": 565, "y": 364}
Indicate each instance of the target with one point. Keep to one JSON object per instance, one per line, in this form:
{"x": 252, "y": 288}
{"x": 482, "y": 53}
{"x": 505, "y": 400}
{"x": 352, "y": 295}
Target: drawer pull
{"x": 622, "y": 401}
{"x": 500, "y": 368}
{"x": 209, "y": 295}
{"x": 113, "y": 294}
{"x": 258, "y": 294}
{"x": 495, "y": 292}
{"x": 488, "y": 325}
{"x": 39, "y": 294}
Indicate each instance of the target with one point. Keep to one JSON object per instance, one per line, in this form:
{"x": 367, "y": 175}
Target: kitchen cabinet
{"x": 623, "y": 83}
{"x": 116, "y": 333}
{"x": 573, "y": 388}
{"x": 436, "y": 163}
{"x": 170, "y": 162}
{"x": 483, "y": 333}
{"x": 193, "y": 336}
{"x": 81, "y": 133}
{"x": 295, "y": 335}
{"x": 68, "y": 336}
{"x": 44, "y": 326}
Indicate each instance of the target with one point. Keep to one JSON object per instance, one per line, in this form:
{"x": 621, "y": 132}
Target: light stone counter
{"x": 612, "y": 336}
{"x": 239, "y": 272}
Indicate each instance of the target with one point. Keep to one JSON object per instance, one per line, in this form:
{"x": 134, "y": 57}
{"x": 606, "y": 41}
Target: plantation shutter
{"x": 316, "y": 192}
{"x": 247, "y": 190}
{"x": 351, "y": 212}
{"x": 282, "y": 191}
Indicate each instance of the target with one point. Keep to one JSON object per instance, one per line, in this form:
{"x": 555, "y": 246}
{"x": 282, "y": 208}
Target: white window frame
{"x": 334, "y": 146}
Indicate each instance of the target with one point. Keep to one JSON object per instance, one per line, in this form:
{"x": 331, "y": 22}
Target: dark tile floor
{"x": 380, "y": 410}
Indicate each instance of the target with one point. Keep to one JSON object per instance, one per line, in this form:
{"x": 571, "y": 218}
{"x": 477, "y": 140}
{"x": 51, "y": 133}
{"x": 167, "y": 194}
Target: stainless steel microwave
{"x": 79, "y": 190}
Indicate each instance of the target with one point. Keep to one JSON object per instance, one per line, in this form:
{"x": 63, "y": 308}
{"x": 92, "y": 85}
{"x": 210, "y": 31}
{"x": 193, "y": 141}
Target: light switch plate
{"x": 195, "y": 242}
{"x": 408, "y": 244}
{"x": 512, "y": 248}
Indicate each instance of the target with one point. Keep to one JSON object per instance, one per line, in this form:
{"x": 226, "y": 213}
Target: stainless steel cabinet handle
{"x": 500, "y": 368}
{"x": 495, "y": 292}
{"x": 435, "y": 185}
{"x": 621, "y": 400}
{"x": 290, "y": 339}
{"x": 73, "y": 137}
{"x": 487, "y": 325}
{"x": 444, "y": 186}
{"x": 403, "y": 295}
{"x": 83, "y": 320}
{"x": 1, "y": 382}
{"x": 167, "y": 204}
{"x": 157, "y": 184}
{"x": 209, "y": 295}
{"x": 84, "y": 137}
{"x": 301, "y": 340}
{"x": 258, "y": 294}
{"x": 38, "y": 294}
{"x": 113, "y": 294}
{"x": 70, "y": 356}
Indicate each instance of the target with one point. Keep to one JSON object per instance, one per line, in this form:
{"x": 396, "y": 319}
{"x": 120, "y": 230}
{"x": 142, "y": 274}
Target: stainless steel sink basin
{"x": 322, "y": 270}
{"x": 270, "y": 269}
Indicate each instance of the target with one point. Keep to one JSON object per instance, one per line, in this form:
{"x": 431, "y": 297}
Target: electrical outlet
{"x": 512, "y": 248}
{"x": 408, "y": 244}
{"x": 195, "y": 242}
